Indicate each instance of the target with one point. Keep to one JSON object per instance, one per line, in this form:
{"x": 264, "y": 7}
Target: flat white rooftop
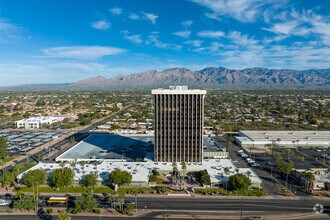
{"x": 286, "y": 135}
{"x": 180, "y": 90}
{"x": 141, "y": 170}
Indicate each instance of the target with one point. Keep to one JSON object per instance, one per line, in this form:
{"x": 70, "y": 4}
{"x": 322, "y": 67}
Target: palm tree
{"x": 183, "y": 167}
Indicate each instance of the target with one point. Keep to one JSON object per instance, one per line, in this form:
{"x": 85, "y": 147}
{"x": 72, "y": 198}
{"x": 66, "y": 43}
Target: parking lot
{"x": 269, "y": 184}
{"x": 22, "y": 141}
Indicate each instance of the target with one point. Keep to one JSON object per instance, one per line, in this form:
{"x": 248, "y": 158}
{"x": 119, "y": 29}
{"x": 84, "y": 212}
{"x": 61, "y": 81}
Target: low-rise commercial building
{"x": 36, "y": 122}
{"x": 283, "y": 138}
{"x": 141, "y": 171}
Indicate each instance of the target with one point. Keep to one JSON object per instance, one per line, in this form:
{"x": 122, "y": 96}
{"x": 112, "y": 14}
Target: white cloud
{"x": 195, "y": 43}
{"x": 151, "y": 17}
{"x": 101, "y": 25}
{"x": 303, "y": 23}
{"x": 184, "y": 34}
{"x": 116, "y": 11}
{"x": 153, "y": 39}
{"x": 283, "y": 28}
{"x": 134, "y": 16}
{"x": 135, "y": 38}
{"x": 9, "y": 31}
{"x": 82, "y": 52}
{"x": 210, "y": 34}
{"x": 187, "y": 23}
{"x": 241, "y": 39}
{"x": 242, "y": 10}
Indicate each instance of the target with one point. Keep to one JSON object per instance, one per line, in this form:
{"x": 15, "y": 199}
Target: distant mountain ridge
{"x": 210, "y": 77}
{"x": 214, "y": 77}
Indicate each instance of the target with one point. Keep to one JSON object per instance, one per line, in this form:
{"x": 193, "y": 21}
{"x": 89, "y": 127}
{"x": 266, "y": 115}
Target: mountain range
{"x": 214, "y": 77}
{"x": 210, "y": 77}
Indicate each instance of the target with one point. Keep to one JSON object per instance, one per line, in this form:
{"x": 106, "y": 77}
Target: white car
{"x": 244, "y": 155}
{"x": 240, "y": 151}
{"x": 3, "y": 202}
{"x": 254, "y": 165}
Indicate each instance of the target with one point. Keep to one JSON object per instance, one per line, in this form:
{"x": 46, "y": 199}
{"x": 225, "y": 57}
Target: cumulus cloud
{"x": 210, "y": 34}
{"x": 151, "y": 17}
{"x": 82, "y": 52}
{"x": 184, "y": 34}
{"x": 116, "y": 11}
{"x": 101, "y": 25}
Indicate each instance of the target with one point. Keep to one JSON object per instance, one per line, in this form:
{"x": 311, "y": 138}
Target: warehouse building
{"x": 283, "y": 138}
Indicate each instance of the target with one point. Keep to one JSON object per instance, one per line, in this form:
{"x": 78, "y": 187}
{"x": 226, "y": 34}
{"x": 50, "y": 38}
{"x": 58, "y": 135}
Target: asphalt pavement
{"x": 269, "y": 184}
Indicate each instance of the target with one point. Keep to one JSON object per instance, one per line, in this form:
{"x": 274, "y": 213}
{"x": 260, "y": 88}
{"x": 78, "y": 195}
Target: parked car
{"x": 255, "y": 165}
{"x": 3, "y": 202}
{"x": 129, "y": 203}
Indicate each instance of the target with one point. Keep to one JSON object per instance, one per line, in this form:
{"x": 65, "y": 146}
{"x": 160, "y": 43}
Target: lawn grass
{"x": 160, "y": 181}
{"x": 224, "y": 192}
{"x": 5, "y": 160}
{"x": 47, "y": 189}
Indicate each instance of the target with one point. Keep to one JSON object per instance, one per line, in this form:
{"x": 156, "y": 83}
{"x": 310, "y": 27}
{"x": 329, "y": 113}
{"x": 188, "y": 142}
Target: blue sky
{"x": 57, "y": 41}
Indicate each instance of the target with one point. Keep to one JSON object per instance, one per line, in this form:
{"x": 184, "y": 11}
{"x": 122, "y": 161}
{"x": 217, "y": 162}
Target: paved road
{"x": 269, "y": 184}
{"x": 214, "y": 205}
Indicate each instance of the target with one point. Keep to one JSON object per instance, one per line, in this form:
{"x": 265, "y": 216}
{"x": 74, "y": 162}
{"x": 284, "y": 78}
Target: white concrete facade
{"x": 36, "y": 122}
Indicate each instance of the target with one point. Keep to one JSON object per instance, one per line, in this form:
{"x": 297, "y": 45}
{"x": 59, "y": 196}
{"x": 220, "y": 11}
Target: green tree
{"x": 64, "y": 215}
{"x": 120, "y": 177}
{"x": 226, "y": 170}
{"x": 288, "y": 153}
{"x": 35, "y": 177}
{"x": 174, "y": 168}
{"x": 239, "y": 181}
{"x": 86, "y": 203}
{"x": 203, "y": 177}
{"x": 184, "y": 167}
{"x": 89, "y": 180}
{"x": 62, "y": 177}
{"x": 286, "y": 168}
{"x": 129, "y": 210}
{"x": 309, "y": 176}
{"x": 300, "y": 159}
{"x": 3, "y": 148}
{"x": 26, "y": 202}
{"x": 8, "y": 179}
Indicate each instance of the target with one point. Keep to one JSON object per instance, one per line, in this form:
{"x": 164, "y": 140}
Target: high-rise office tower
{"x": 179, "y": 118}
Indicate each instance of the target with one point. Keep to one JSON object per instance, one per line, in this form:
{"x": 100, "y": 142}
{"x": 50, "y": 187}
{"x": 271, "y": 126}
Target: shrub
{"x": 129, "y": 210}
{"x": 97, "y": 211}
{"x": 50, "y": 210}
